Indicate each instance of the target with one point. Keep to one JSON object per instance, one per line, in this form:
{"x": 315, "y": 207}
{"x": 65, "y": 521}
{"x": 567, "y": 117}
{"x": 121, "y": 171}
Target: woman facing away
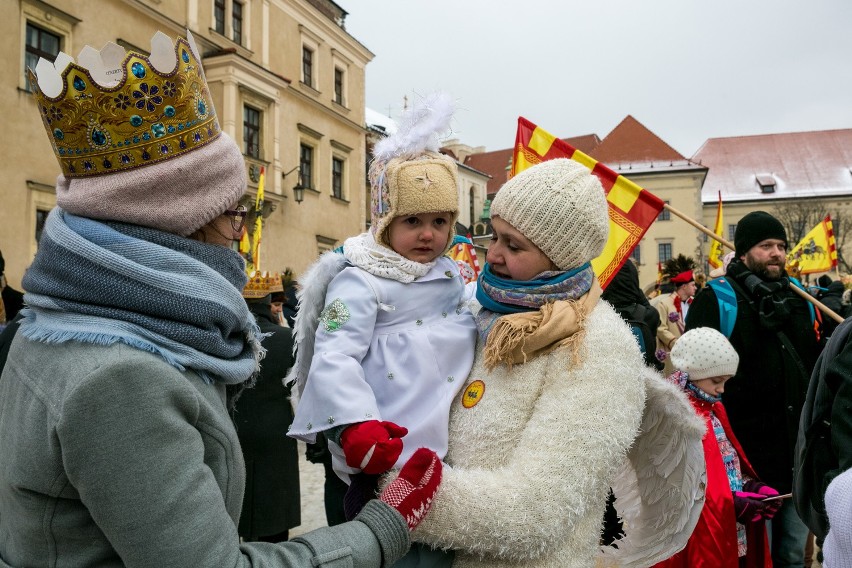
{"x": 559, "y": 406}
{"x": 117, "y": 447}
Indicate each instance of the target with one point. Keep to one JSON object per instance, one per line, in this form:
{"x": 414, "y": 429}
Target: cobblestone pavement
{"x": 311, "y": 479}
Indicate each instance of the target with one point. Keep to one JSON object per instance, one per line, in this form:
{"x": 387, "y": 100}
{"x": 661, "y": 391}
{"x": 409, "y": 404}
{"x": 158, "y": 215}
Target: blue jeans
{"x": 787, "y": 535}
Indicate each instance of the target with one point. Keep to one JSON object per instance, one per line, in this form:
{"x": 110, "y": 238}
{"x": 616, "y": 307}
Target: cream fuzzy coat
{"x": 533, "y": 460}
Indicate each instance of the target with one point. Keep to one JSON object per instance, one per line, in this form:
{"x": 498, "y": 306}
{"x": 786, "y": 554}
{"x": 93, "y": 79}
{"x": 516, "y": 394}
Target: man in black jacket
{"x": 262, "y": 414}
{"x": 775, "y": 338}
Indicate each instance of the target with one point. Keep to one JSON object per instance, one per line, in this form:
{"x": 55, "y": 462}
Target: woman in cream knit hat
{"x": 551, "y": 414}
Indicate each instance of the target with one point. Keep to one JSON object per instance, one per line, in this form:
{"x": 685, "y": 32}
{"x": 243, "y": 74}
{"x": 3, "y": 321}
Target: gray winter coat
{"x": 111, "y": 457}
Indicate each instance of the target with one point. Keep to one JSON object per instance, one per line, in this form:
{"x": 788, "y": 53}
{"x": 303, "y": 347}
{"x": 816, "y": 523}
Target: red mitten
{"x": 411, "y": 493}
{"x": 372, "y": 446}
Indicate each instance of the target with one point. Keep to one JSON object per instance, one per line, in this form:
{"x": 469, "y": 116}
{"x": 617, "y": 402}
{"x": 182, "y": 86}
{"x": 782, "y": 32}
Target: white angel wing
{"x": 660, "y": 487}
{"x": 311, "y": 300}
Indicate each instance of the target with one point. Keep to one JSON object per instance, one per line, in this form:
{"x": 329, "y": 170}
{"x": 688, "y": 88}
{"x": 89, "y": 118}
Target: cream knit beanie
{"x": 703, "y": 352}
{"x": 561, "y": 207}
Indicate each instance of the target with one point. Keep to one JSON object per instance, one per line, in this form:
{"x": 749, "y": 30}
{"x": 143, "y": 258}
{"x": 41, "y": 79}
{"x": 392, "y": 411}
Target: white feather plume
{"x": 419, "y": 130}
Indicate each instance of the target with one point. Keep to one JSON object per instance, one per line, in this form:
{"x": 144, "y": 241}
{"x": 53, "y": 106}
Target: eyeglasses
{"x": 238, "y": 217}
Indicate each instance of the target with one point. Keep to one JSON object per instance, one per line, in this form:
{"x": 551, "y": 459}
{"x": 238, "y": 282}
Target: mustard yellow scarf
{"x": 516, "y": 338}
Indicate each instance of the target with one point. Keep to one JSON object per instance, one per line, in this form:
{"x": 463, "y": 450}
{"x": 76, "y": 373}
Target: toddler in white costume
{"x": 378, "y": 367}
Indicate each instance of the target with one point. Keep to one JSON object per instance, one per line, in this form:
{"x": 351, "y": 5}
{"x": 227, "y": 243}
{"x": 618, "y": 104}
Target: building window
{"x": 40, "y": 43}
{"x": 338, "y": 85}
{"x": 337, "y": 178}
{"x": 219, "y": 16}
{"x": 41, "y": 218}
{"x": 237, "y": 22}
{"x": 307, "y": 66}
{"x": 732, "y": 230}
{"x": 636, "y": 255}
{"x": 325, "y": 244}
{"x": 306, "y": 164}
{"x": 472, "y": 205}
{"x": 664, "y": 251}
{"x": 251, "y": 132}
{"x": 664, "y": 214}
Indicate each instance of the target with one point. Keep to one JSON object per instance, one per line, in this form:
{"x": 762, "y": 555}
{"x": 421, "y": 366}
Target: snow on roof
{"x": 379, "y": 121}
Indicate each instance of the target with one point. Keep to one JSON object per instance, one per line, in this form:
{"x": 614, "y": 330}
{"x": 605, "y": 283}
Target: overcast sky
{"x": 687, "y": 70}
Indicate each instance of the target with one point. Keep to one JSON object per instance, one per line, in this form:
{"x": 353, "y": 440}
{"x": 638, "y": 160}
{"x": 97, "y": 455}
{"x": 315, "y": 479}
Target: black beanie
{"x": 755, "y": 227}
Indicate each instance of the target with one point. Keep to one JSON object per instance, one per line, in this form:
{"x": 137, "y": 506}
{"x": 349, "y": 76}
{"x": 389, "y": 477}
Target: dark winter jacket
{"x": 262, "y": 415}
{"x": 624, "y": 294}
{"x": 832, "y": 298}
{"x": 765, "y": 397}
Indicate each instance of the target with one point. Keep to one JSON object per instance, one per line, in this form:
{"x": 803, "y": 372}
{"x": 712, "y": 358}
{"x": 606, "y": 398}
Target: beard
{"x": 769, "y": 270}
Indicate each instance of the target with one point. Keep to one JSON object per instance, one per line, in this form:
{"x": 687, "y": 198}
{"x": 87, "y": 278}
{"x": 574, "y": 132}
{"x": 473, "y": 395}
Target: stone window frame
{"x": 49, "y": 19}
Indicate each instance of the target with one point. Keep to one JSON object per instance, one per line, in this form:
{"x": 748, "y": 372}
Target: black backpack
{"x": 814, "y": 456}
{"x": 636, "y": 316}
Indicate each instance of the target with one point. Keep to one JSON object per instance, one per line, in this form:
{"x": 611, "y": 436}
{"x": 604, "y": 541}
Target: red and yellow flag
{"x": 817, "y": 251}
{"x": 716, "y": 253}
{"x": 464, "y": 254}
{"x": 631, "y": 208}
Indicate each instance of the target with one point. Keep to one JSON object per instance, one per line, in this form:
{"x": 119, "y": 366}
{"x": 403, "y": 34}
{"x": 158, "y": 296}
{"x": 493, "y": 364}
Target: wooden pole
{"x": 825, "y": 309}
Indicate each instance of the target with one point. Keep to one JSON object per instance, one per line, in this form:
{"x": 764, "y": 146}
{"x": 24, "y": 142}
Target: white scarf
{"x": 361, "y": 251}
{"x": 364, "y": 252}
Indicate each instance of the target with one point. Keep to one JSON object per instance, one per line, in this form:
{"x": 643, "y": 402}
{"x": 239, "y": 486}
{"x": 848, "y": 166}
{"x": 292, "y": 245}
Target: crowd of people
{"x": 520, "y": 420}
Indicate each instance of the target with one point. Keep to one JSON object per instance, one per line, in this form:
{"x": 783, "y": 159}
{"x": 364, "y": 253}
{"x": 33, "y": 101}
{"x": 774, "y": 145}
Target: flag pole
{"x": 825, "y": 309}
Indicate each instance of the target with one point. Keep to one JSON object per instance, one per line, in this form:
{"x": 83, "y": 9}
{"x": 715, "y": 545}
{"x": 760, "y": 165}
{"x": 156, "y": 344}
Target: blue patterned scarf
{"x": 107, "y": 282}
{"x": 499, "y": 296}
{"x": 681, "y": 379}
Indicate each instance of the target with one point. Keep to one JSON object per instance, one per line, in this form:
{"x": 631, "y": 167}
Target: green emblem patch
{"x": 334, "y": 315}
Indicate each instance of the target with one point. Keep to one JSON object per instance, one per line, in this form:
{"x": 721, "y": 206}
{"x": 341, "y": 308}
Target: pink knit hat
{"x": 178, "y": 196}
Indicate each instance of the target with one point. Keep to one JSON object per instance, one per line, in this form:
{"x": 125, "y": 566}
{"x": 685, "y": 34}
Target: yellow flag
{"x": 258, "y": 220}
{"x": 817, "y": 251}
{"x": 715, "y": 256}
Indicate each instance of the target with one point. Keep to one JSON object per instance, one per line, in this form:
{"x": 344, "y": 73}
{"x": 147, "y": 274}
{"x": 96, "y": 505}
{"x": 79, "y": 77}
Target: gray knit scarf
{"x": 107, "y": 282}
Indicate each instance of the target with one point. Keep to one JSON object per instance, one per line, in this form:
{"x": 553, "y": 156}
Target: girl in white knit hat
{"x": 379, "y": 365}
{"x": 731, "y": 530}
{"x": 559, "y": 406}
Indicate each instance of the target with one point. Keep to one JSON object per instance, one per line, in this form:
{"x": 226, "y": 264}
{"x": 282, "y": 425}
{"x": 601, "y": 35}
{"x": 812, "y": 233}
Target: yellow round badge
{"x": 473, "y": 394}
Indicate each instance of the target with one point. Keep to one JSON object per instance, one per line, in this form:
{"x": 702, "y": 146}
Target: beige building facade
{"x": 287, "y": 82}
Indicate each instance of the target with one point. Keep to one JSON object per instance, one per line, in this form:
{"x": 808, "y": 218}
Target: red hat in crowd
{"x": 683, "y": 278}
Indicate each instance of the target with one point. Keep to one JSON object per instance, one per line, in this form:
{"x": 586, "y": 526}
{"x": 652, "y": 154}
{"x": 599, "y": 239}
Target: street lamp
{"x": 298, "y": 189}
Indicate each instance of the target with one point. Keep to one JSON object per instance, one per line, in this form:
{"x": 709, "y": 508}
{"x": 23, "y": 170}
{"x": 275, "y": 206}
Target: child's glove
{"x": 372, "y": 446}
{"x": 755, "y": 486}
{"x": 411, "y": 493}
{"x": 750, "y": 507}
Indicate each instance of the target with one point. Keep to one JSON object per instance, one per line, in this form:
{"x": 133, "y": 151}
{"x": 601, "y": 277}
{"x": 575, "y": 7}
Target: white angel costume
{"x": 384, "y": 349}
{"x": 535, "y": 448}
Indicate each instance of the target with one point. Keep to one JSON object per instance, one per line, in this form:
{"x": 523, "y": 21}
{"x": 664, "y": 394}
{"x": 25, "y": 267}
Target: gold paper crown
{"x": 262, "y": 284}
{"x": 118, "y": 110}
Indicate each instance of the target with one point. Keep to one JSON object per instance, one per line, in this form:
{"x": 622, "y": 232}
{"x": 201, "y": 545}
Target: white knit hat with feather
{"x": 408, "y": 175}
